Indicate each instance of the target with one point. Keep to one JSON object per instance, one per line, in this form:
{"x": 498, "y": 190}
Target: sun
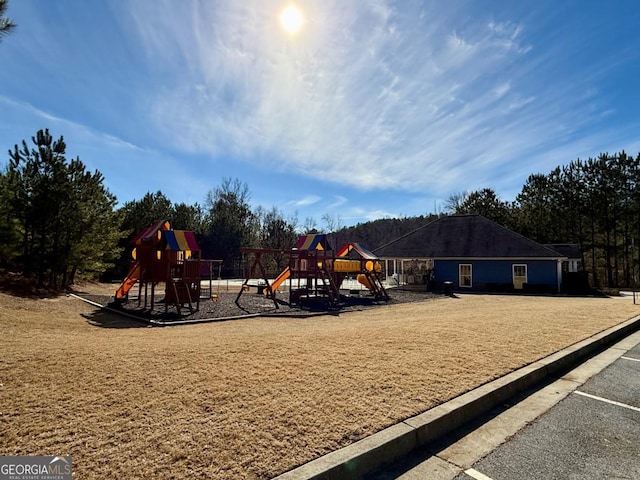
{"x": 291, "y": 19}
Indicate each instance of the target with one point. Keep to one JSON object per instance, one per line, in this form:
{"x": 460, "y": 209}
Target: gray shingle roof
{"x": 569, "y": 250}
{"x": 464, "y": 236}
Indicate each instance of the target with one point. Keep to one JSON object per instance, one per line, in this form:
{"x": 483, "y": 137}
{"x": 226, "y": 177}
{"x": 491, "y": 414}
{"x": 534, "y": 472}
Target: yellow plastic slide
{"x": 286, "y": 273}
{"x": 129, "y": 281}
{"x": 364, "y": 281}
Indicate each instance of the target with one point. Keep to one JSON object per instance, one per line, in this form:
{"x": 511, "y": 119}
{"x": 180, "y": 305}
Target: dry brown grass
{"x": 253, "y": 398}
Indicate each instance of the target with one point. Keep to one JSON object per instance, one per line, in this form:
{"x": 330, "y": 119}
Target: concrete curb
{"x": 393, "y": 443}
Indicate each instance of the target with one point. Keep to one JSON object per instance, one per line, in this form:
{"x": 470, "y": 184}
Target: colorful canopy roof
{"x": 180, "y": 240}
{"x": 149, "y": 234}
{"x": 316, "y": 241}
{"x": 359, "y": 248}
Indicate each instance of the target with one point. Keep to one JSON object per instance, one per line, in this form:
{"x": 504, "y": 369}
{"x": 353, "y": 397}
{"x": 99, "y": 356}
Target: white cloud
{"x": 339, "y": 201}
{"x": 369, "y": 214}
{"x": 501, "y": 90}
{"x": 129, "y": 170}
{"x": 71, "y": 126}
{"x": 305, "y": 201}
{"x": 371, "y": 95}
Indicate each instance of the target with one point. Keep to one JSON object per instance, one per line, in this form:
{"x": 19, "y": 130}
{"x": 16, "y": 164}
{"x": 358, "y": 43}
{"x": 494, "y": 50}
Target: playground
{"x": 255, "y": 397}
{"x": 164, "y": 284}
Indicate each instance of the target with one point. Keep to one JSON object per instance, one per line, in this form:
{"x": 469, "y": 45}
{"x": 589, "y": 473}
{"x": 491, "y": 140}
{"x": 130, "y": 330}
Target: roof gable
{"x": 464, "y": 236}
{"x": 316, "y": 241}
{"x": 180, "y": 240}
{"x": 150, "y": 234}
{"x": 360, "y": 250}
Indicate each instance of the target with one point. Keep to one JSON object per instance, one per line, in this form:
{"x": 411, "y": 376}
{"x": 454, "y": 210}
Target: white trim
{"x": 513, "y": 275}
{"x": 460, "y": 265}
{"x": 632, "y": 359}
{"x": 511, "y": 259}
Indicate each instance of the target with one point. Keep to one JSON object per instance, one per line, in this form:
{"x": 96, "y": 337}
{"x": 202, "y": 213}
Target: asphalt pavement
{"x": 584, "y": 426}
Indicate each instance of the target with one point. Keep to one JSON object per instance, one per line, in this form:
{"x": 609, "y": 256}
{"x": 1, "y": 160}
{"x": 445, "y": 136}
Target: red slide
{"x": 129, "y": 281}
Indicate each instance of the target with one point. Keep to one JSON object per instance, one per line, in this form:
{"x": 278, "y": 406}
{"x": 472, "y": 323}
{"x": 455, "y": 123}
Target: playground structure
{"x": 316, "y": 272}
{"x": 163, "y": 255}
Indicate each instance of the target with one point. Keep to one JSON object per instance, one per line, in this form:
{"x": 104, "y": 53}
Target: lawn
{"x": 256, "y": 397}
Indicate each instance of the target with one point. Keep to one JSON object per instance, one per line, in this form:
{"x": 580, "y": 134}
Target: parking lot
{"x": 585, "y": 425}
{"x": 594, "y": 433}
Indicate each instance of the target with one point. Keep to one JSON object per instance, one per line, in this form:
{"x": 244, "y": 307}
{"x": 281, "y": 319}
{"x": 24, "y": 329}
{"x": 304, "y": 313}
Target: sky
{"x": 370, "y": 109}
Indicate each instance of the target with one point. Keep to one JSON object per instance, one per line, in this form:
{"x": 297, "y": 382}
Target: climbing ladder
{"x": 183, "y": 286}
{"x": 329, "y": 287}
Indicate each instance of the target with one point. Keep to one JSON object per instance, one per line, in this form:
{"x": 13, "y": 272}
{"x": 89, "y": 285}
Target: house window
{"x": 519, "y": 276}
{"x": 464, "y": 275}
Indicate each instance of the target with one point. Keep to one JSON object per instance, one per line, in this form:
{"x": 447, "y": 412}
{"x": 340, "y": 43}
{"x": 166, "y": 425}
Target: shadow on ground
{"x": 104, "y": 319}
{"x": 16, "y": 285}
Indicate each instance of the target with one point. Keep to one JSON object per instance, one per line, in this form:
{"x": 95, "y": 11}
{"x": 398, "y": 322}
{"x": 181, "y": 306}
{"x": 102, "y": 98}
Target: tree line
{"x": 58, "y": 220}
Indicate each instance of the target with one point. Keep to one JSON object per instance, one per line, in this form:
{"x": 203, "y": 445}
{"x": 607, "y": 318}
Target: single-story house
{"x": 474, "y": 253}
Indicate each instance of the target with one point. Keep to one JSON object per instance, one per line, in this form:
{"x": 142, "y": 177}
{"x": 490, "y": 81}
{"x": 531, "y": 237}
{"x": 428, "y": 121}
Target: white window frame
{"x": 513, "y": 274}
{"x": 461, "y": 275}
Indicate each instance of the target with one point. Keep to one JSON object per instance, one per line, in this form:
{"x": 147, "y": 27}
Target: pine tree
{"x": 6, "y": 24}
{"x": 65, "y": 214}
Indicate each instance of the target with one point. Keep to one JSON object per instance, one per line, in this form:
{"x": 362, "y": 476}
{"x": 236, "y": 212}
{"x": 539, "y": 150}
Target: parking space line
{"x": 472, "y": 472}
{"x": 632, "y": 359}
{"x": 612, "y": 402}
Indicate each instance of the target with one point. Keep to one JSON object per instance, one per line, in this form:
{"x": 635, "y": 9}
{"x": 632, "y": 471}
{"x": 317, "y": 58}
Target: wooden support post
{"x": 264, "y": 277}
{"x": 246, "y": 281}
{"x": 140, "y": 286}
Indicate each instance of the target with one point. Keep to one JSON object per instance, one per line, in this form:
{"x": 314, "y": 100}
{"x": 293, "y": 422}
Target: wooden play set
{"x": 163, "y": 255}
{"x": 315, "y": 272}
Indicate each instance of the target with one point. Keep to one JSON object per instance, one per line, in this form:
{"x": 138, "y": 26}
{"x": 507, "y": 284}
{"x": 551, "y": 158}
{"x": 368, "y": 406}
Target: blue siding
{"x": 487, "y": 272}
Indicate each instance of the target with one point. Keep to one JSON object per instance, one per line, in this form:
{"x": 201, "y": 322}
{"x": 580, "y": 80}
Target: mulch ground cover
{"x": 224, "y": 306}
